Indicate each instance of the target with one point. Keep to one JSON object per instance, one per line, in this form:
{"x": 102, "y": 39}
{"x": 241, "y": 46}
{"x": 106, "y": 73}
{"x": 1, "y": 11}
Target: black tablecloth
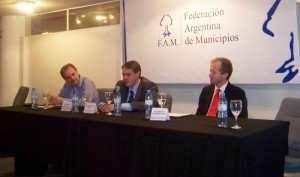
{"x": 97, "y": 145}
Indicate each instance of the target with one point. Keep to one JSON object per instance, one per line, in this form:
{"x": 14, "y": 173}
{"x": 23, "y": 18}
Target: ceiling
{"x": 8, "y": 7}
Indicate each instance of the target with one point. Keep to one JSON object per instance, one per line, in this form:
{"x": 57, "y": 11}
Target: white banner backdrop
{"x": 174, "y": 40}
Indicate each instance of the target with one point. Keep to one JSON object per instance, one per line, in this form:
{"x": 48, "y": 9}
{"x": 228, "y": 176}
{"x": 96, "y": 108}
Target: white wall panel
{"x": 11, "y": 63}
{"x": 96, "y": 52}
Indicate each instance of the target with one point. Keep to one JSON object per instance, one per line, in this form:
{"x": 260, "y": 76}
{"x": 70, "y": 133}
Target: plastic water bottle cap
{"x": 117, "y": 88}
{"x": 222, "y": 94}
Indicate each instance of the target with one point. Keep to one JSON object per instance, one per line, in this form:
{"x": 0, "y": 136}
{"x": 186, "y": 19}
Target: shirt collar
{"x": 134, "y": 89}
{"x": 222, "y": 88}
{"x": 80, "y": 81}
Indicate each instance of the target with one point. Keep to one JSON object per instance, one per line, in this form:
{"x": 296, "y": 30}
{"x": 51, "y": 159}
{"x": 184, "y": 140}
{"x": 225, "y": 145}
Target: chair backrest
{"x": 21, "y": 96}
{"x": 169, "y": 102}
{"x": 101, "y": 92}
{"x": 290, "y": 111}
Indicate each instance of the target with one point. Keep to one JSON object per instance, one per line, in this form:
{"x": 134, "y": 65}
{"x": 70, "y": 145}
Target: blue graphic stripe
{"x": 269, "y": 15}
{"x": 283, "y": 68}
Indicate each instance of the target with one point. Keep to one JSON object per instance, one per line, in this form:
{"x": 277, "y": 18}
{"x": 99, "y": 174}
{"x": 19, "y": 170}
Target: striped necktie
{"x": 131, "y": 97}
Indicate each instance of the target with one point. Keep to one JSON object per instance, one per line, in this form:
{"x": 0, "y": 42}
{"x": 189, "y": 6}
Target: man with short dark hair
{"x": 220, "y": 72}
{"x": 75, "y": 82}
{"x": 133, "y": 88}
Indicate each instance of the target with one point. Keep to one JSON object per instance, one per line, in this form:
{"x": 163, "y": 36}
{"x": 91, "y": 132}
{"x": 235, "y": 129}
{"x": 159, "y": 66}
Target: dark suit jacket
{"x": 138, "y": 103}
{"x": 231, "y": 92}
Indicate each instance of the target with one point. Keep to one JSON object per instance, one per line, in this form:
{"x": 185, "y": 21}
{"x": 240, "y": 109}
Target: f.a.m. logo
{"x": 166, "y": 22}
{"x": 166, "y": 33}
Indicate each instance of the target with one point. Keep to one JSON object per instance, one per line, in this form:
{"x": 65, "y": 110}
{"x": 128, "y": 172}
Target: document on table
{"x": 180, "y": 114}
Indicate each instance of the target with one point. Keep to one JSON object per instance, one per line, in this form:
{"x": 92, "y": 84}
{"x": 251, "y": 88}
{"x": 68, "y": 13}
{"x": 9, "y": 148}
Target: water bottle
{"x": 148, "y": 104}
{"x": 117, "y": 102}
{"x": 222, "y": 111}
{"x": 34, "y": 98}
{"x": 75, "y": 106}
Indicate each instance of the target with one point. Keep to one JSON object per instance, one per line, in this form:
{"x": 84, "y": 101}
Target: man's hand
{"x": 106, "y": 108}
{"x": 55, "y": 100}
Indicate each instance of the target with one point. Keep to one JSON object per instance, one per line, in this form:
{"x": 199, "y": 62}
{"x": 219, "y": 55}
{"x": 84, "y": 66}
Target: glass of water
{"x": 161, "y": 99}
{"x": 109, "y": 99}
{"x": 85, "y": 97}
{"x": 236, "y": 108}
{"x": 46, "y": 95}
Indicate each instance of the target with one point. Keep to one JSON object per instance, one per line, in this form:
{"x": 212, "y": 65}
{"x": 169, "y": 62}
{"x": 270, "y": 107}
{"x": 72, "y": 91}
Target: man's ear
{"x": 225, "y": 75}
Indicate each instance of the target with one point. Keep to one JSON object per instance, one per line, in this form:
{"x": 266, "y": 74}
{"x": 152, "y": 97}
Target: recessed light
{"x": 25, "y": 5}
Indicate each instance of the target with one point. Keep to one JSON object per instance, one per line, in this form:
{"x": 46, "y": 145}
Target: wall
{"x": 96, "y": 52}
{"x": 12, "y": 29}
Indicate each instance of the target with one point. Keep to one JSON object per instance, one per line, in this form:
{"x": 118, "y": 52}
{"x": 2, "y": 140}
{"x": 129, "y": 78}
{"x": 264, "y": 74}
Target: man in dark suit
{"x": 220, "y": 72}
{"x": 133, "y": 88}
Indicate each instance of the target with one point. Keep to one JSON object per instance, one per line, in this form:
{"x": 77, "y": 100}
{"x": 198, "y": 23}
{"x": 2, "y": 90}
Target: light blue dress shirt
{"x": 127, "y": 106}
{"x": 84, "y": 85}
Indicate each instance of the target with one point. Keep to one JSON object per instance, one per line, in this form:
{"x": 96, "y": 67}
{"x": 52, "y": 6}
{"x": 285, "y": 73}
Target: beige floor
{"x": 287, "y": 174}
{"x": 7, "y": 167}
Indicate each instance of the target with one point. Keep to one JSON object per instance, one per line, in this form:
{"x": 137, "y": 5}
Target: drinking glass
{"x": 46, "y": 95}
{"x": 109, "y": 99}
{"x": 85, "y": 97}
{"x": 236, "y": 108}
{"x": 161, "y": 99}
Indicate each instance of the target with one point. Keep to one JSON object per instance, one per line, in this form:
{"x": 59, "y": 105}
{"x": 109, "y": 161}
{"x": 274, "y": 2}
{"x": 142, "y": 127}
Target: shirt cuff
{"x": 126, "y": 107}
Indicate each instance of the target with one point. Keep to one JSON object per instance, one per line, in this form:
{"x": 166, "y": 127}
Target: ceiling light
{"x": 111, "y": 16}
{"x": 100, "y": 17}
{"x": 25, "y": 5}
{"x": 78, "y": 21}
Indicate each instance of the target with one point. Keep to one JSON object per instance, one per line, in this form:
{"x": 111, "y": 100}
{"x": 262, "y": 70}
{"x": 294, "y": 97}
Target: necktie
{"x": 214, "y": 105}
{"x": 131, "y": 98}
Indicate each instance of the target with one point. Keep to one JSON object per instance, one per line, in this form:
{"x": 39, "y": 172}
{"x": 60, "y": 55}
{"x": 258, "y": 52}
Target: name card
{"x": 66, "y": 105}
{"x": 160, "y": 114}
{"x": 90, "y": 108}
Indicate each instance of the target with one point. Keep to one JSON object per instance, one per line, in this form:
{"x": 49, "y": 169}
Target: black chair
{"x": 169, "y": 102}
{"x": 21, "y": 96}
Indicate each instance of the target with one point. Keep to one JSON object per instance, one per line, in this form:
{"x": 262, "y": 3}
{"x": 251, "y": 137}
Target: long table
{"x": 77, "y": 144}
